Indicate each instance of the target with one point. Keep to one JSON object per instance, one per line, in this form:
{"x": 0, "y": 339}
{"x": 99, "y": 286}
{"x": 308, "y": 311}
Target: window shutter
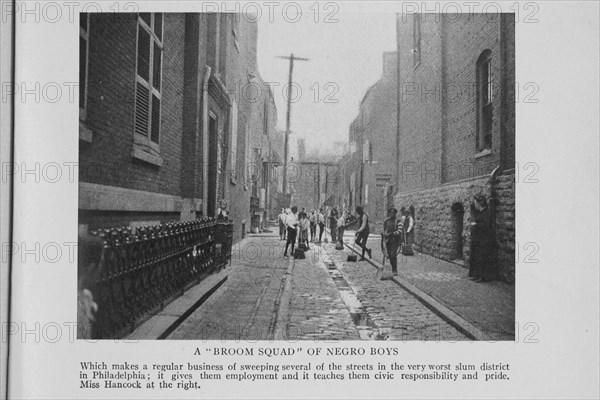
{"x": 155, "y": 119}
{"x": 142, "y": 100}
{"x": 148, "y": 81}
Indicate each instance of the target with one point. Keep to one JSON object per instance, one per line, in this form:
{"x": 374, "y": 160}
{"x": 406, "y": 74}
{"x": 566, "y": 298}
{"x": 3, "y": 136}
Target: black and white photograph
{"x": 300, "y": 200}
{"x": 245, "y": 180}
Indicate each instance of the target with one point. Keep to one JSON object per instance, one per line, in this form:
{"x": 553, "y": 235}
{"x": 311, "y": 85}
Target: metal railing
{"x": 144, "y": 269}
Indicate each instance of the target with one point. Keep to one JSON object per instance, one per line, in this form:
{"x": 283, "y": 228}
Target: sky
{"x": 345, "y": 60}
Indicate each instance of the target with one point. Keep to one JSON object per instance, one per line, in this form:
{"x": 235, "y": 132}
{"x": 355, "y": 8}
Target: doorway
{"x": 458, "y": 213}
{"x": 213, "y": 139}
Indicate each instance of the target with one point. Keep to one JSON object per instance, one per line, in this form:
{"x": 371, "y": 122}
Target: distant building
{"x": 301, "y": 149}
{"x": 370, "y": 172}
{"x": 166, "y": 126}
{"x": 315, "y": 185}
{"x": 457, "y": 129}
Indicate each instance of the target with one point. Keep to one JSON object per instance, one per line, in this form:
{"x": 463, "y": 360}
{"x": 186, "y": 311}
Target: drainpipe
{"x": 502, "y": 124}
{"x": 503, "y": 90}
{"x": 493, "y": 176}
{"x": 493, "y": 199}
{"x": 205, "y": 140}
{"x": 398, "y": 109}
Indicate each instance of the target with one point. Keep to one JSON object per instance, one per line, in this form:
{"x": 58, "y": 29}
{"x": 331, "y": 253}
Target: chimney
{"x": 390, "y": 61}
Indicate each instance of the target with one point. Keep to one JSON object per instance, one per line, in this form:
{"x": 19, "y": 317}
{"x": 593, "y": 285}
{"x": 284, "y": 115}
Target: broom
{"x": 353, "y": 257}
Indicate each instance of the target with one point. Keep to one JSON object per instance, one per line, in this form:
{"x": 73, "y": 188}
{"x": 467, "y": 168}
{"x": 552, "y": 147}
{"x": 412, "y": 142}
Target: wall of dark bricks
{"x": 439, "y": 163}
{"x": 189, "y": 45}
{"x": 110, "y": 113}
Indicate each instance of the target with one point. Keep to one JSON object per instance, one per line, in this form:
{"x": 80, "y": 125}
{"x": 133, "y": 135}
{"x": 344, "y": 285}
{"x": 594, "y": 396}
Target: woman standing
{"x": 481, "y": 262}
{"x": 362, "y": 234}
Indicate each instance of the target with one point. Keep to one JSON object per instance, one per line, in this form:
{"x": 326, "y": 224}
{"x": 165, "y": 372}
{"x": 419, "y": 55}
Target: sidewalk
{"x": 489, "y": 306}
{"x": 162, "y": 324}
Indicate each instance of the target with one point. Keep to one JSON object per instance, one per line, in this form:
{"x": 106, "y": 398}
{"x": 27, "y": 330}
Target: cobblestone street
{"x": 488, "y": 306}
{"x": 322, "y": 298}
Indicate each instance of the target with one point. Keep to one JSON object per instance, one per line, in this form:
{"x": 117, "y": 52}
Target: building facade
{"x": 315, "y": 185}
{"x": 167, "y": 128}
{"x": 456, "y": 129}
{"x": 370, "y": 166}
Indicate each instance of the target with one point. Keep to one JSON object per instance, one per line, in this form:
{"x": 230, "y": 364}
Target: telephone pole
{"x": 287, "y": 118}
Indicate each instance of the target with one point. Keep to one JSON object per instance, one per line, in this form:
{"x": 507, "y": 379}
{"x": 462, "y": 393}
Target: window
{"x": 212, "y": 42}
{"x": 148, "y": 78}
{"x": 84, "y": 39}
{"x": 222, "y": 63}
{"x": 367, "y": 151}
{"x": 484, "y": 101}
{"x": 416, "y": 50}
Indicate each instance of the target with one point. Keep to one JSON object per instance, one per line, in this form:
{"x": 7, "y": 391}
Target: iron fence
{"x": 143, "y": 269}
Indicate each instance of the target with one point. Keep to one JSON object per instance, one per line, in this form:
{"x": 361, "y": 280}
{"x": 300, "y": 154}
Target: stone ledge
{"x": 150, "y": 158}
{"x": 94, "y": 196}
{"x": 483, "y": 153}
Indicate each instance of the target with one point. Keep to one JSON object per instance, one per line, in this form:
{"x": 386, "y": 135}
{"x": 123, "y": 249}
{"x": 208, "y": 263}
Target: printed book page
{"x": 300, "y": 200}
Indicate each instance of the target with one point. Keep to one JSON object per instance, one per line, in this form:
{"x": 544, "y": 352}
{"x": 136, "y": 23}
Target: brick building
{"x": 456, "y": 129}
{"x": 166, "y": 126}
{"x": 315, "y": 185}
{"x": 368, "y": 177}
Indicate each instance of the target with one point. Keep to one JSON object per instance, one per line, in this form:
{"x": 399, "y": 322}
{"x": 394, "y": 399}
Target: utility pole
{"x": 287, "y": 118}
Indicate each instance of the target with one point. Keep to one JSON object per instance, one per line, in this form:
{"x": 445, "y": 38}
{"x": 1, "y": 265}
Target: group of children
{"x": 304, "y": 224}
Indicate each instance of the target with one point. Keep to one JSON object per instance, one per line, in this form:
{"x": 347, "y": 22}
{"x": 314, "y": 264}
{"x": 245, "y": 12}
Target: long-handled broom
{"x": 353, "y": 257}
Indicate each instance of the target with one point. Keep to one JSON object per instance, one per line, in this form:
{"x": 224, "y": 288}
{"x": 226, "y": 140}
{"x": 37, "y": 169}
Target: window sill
{"x": 149, "y": 158}
{"x": 483, "y": 153}
{"x": 85, "y": 134}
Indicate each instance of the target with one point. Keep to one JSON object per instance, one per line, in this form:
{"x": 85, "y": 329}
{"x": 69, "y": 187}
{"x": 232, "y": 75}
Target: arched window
{"x": 485, "y": 98}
